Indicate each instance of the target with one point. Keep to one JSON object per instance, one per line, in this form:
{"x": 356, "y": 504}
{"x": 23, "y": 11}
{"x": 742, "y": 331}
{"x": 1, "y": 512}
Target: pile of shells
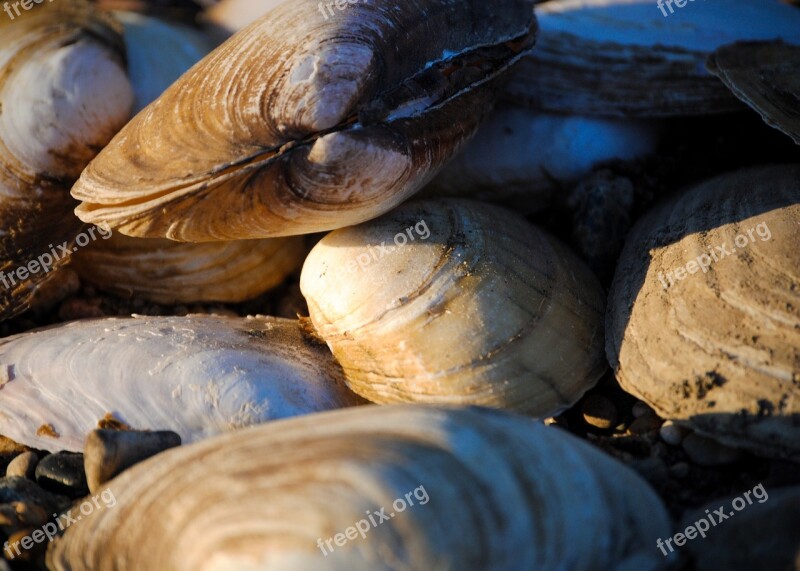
{"x": 536, "y": 265}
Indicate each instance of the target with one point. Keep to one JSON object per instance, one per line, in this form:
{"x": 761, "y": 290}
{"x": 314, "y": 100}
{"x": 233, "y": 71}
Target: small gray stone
{"x": 23, "y": 490}
{"x": 23, "y": 466}
{"x": 673, "y": 434}
{"x": 599, "y": 412}
{"x": 641, "y": 409}
{"x": 707, "y": 452}
{"x": 680, "y": 470}
{"x": 645, "y": 424}
{"x": 108, "y": 452}
{"x": 62, "y": 473}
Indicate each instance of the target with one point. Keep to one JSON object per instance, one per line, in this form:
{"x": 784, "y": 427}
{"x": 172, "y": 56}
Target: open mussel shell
{"x": 459, "y": 489}
{"x": 63, "y": 93}
{"x": 765, "y": 76}
{"x": 168, "y": 272}
{"x": 704, "y": 313}
{"x": 457, "y": 302}
{"x": 198, "y": 376}
{"x": 632, "y": 58}
{"x": 306, "y": 122}
{"x": 520, "y": 157}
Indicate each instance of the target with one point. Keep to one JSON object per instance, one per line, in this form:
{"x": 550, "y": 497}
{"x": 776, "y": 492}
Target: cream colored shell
{"x": 457, "y": 302}
{"x": 503, "y": 494}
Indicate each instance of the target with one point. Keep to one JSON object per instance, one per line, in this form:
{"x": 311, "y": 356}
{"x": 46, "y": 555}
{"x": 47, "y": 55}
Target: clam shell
{"x": 300, "y": 124}
{"x": 520, "y": 157}
{"x": 503, "y": 493}
{"x": 625, "y": 58}
{"x": 198, "y": 376}
{"x": 170, "y": 272}
{"x": 159, "y": 53}
{"x": 486, "y": 309}
{"x": 718, "y": 348}
{"x": 765, "y": 76}
{"x": 63, "y": 93}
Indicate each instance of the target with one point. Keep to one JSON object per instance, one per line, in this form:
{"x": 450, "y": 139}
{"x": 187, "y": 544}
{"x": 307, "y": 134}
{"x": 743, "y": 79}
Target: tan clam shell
{"x": 765, "y": 76}
{"x": 170, "y": 272}
{"x": 625, "y": 58}
{"x": 520, "y": 157}
{"x": 504, "y": 494}
{"x": 486, "y": 310}
{"x": 199, "y": 376}
{"x": 64, "y": 94}
{"x": 720, "y": 348}
{"x": 300, "y": 124}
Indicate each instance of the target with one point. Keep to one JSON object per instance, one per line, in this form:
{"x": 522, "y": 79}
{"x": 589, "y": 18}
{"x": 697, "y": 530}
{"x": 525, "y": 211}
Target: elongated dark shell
{"x": 765, "y": 76}
{"x": 63, "y": 95}
{"x": 477, "y": 491}
{"x": 306, "y": 122}
{"x": 714, "y": 341}
{"x": 631, "y": 58}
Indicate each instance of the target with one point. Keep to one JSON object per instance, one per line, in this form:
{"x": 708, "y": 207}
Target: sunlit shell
{"x": 457, "y": 302}
{"x": 63, "y": 95}
{"x": 198, "y": 376}
{"x": 704, "y": 312}
{"x": 170, "y": 272}
{"x": 477, "y": 490}
{"x": 641, "y": 57}
{"x": 303, "y": 123}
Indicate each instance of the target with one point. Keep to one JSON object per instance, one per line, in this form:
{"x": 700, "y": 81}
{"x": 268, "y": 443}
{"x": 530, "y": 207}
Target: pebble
{"x": 641, "y": 409}
{"x": 599, "y": 412}
{"x": 707, "y": 452}
{"x": 23, "y": 466}
{"x": 673, "y": 434}
{"x": 679, "y": 470}
{"x": 645, "y": 424}
{"x": 23, "y": 490}
{"x": 62, "y": 473}
{"x": 108, "y": 452}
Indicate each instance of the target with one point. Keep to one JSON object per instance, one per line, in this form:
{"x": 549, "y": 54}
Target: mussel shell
{"x": 765, "y": 76}
{"x": 718, "y": 348}
{"x": 300, "y": 124}
{"x": 503, "y": 494}
{"x": 63, "y": 93}
{"x": 626, "y": 58}
{"x": 486, "y": 310}
{"x": 168, "y": 272}
{"x": 198, "y": 376}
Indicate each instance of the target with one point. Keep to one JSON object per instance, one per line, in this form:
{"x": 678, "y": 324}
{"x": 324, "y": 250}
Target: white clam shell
{"x": 504, "y": 494}
{"x": 625, "y": 58}
{"x": 519, "y": 157}
{"x": 198, "y": 376}
{"x": 486, "y": 309}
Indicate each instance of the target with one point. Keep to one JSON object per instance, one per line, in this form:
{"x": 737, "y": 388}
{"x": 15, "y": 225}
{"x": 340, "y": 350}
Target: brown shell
{"x": 47, "y": 137}
{"x": 299, "y": 123}
{"x": 714, "y": 341}
{"x": 170, "y": 272}
{"x": 765, "y": 76}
